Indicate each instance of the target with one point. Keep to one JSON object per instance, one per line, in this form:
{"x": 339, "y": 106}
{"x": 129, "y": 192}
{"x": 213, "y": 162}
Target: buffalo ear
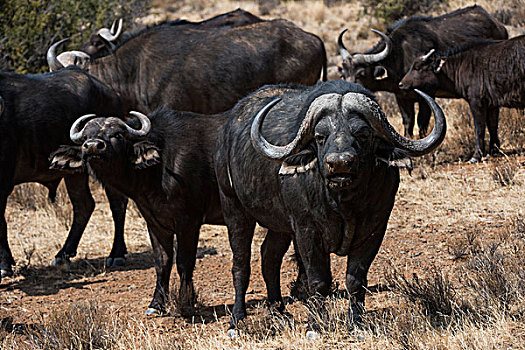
{"x": 67, "y": 158}
{"x": 394, "y": 157}
{"x": 146, "y": 154}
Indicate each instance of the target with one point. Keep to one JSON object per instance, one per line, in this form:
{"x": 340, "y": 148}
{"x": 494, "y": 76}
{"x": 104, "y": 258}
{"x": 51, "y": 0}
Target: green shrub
{"x": 389, "y": 11}
{"x": 29, "y": 27}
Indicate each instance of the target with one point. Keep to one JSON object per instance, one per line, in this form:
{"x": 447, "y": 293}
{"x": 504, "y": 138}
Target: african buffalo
{"x": 488, "y": 75}
{"x": 166, "y": 166}
{"x": 37, "y": 113}
{"x": 329, "y": 185}
{"x": 382, "y": 67}
{"x": 104, "y": 40}
{"x": 206, "y": 70}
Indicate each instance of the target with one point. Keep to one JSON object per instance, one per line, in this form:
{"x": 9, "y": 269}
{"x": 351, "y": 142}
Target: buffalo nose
{"x": 339, "y": 162}
{"x": 93, "y": 146}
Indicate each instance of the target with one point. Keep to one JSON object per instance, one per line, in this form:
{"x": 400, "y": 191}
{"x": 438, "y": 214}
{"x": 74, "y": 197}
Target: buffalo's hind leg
{"x": 83, "y": 205}
{"x": 6, "y": 258}
{"x": 273, "y": 249}
{"x": 118, "y": 203}
{"x": 187, "y": 242}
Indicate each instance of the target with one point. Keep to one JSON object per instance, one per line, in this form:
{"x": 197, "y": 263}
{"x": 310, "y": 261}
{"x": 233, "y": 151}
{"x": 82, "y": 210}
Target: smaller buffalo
{"x": 487, "y": 74}
{"x": 318, "y": 172}
{"x": 164, "y": 165}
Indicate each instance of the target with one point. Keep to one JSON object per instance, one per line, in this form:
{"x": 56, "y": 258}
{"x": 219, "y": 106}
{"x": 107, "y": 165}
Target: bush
{"x": 29, "y": 27}
{"x": 389, "y": 11}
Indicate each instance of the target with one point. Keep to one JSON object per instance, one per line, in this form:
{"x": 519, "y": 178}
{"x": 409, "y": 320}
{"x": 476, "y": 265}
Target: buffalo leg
{"x": 6, "y": 258}
{"x": 118, "y": 204}
{"x": 300, "y": 286}
{"x": 162, "y": 242}
{"x": 492, "y": 124}
{"x": 479, "y": 116}
{"x": 406, "y": 107}
{"x": 423, "y": 118}
{"x": 317, "y": 265}
{"x": 358, "y": 264}
{"x": 83, "y": 205}
{"x": 273, "y": 249}
{"x": 240, "y": 235}
{"x": 187, "y": 242}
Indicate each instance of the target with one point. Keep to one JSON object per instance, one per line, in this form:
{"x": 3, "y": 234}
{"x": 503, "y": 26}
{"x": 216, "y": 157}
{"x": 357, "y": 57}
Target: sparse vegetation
{"x": 389, "y": 11}
{"x": 29, "y": 28}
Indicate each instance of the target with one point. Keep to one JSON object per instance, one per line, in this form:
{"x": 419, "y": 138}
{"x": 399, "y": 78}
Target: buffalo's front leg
{"x": 240, "y": 234}
{"x": 83, "y": 205}
{"x": 317, "y": 266}
{"x": 162, "y": 243}
{"x": 273, "y": 249}
{"x": 423, "y": 118}
{"x": 118, "y": 204}
{"x": 406, "y": 107}
{"x": 492, "y": 124}
{"x": 187, "y": 242}
{"x": 358, "y": 264}
{"x": 300, "y": 286}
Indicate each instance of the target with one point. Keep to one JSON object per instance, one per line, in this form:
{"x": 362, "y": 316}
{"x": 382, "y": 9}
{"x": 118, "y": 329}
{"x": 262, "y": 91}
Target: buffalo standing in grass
{"x": 488, "y": 75}
{"x": 382, "y": 67}
{"x": 206, "y": 69}
{"x": 329, "y": 185}
{"x": 37, "y": 113}
{"x": 166, "y": 167}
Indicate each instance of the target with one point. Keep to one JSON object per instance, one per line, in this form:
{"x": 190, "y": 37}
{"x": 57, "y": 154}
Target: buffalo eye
{"x": 320, "y": 138}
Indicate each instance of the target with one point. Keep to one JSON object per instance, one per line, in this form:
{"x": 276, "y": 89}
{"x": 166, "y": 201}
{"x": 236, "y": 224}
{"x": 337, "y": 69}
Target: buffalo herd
{"x": 231, "y": 121}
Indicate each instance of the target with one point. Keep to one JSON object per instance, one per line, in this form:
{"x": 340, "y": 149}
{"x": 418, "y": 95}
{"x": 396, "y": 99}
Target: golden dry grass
{"x": 447, "y": 215}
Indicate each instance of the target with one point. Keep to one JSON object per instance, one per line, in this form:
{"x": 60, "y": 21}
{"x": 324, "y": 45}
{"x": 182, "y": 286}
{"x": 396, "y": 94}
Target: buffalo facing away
{"x": 317, "y": 171}
{"x": 37, "y": 113}
{"x": 488, "y": 75}
{"x": 382, "y": 67}
{"x": 206, "y": 69}
{"x": 164, "y": 165}
{"x": 104, "y": 40}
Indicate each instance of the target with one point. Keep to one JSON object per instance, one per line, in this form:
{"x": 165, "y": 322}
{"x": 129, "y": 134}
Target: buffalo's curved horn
{"x": 108, "y": 43}
{"x": 342, "y": 49}
{"x": 76, "y": 135}
{"x": 145, "y": 126}
{"x": 427, "y": 55}
{"x": 51, "y": 56}
{"x": 377, "y": 119}
{"x": 277, "y": 153}
{"x": 113, "y": 33}
{"x": 359, "y": 58}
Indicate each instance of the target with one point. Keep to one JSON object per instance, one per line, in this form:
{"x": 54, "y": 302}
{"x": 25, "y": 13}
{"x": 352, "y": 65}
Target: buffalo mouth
{"x": 340, "y": 180}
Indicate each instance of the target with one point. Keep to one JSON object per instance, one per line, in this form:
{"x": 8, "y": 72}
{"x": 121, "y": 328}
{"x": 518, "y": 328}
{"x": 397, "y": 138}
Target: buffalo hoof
{"x": 474, "y": 160}
{"x": 233, "y": 333}
{"x": 6, "y": 273}
{"x": 153, "y": 312}
{"x": 312, "y": 335}
{"x": 57, "y": 261}
{"x": 115, "y": 262}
